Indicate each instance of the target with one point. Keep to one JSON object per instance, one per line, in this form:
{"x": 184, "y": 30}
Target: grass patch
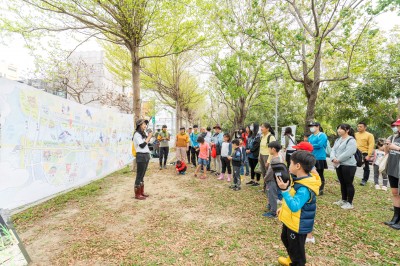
{"x": 210, "y": 224}
{"x": 79, "y": 195}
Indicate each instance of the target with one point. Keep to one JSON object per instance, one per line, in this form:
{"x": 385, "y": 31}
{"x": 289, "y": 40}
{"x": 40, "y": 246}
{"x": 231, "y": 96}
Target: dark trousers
{"x": 195, "y": 156}
{"x": 253, "y": 164}
{"x": 164, "y": 154}
{"x": 294, "y": 244}
{"x": 188, "y": 154}
{"x": 288, "y": 154}
{"x": 226, "y": 164}
{"x": 321, "y": 175}
{"x": 142, "y": 162}
{"x": 346, "y": 177}
{"x": 366, "y": 168}
{"x": 236, "y": 176}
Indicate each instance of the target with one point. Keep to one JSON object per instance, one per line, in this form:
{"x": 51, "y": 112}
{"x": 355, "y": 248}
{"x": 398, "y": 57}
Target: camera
{"x": 281, "y": 170}
{"x": 149, "y": 131}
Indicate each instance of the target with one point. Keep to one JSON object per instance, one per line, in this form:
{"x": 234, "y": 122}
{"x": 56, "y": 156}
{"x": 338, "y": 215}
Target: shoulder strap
{"x": 292, "y": 140}
{"x": 269, "y": 138}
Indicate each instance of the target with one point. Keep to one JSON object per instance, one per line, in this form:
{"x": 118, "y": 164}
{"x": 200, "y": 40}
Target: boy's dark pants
{"x": 236, "y": 176}
{"x": 294, "y": 244}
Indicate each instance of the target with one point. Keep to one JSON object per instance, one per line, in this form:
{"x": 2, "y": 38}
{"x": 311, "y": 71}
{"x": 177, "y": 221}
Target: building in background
{"x": 8, "y": 70}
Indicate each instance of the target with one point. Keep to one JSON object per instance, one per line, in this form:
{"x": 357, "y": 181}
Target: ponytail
{"x": 270, "y": 129}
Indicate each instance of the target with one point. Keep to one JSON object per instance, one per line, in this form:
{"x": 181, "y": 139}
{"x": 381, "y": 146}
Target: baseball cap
{"x": 313, "y": 124}
{"x": 304, "y": 146}
{"x": 397, "y": 123}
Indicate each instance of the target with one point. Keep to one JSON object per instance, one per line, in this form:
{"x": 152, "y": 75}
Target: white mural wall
{"x": 49, "y": 144}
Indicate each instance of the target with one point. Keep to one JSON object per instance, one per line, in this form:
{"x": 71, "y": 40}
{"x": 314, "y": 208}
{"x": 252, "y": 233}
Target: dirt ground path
{"x": 185, "y": 221}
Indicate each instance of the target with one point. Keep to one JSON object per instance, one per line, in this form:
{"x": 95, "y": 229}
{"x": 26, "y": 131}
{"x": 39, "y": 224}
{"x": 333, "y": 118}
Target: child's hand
{"x": 282, "y": 185}
{"x": 278, "y": 211}
{"x": 229, "y": 158}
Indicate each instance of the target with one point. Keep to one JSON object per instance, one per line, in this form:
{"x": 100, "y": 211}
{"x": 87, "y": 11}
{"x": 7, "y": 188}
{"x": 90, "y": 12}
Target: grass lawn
{"x": 188, "y": 221}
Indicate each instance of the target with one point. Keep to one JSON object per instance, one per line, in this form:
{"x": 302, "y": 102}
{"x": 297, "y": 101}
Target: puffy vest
{"x": 302, "y": 221}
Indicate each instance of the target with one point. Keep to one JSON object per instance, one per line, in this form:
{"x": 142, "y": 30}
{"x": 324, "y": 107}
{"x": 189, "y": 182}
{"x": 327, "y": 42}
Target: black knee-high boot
{"x": 396, "y": 217}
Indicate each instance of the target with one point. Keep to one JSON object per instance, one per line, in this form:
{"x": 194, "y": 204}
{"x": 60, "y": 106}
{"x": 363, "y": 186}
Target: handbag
{"x": 383, "y": 164}
{"x": 213, "y": 151}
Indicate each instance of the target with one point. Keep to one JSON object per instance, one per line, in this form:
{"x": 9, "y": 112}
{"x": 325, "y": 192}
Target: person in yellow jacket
{"x": 298, "y": 206}
{"x": 366, "y": 144}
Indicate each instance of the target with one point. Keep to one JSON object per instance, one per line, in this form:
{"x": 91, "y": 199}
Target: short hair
{"x": 241, "y": 138}
{"x": 236, "y": 142}
{"x": 208, "y": 128}
{"x": 182, "y": 128}
{"x": 228, "y": 136}
{"x": 362, "y": 123}
{"x": 190, "y": 128}
{"x": 195, "y": 126}
{"x": 178, "y": 162}
{"x": 305, "y": 159}
{"x": 306, "y": 135}
{"x": 200, "y": 139}
{"x": 275, "y": 145}
{"x": 164, "y": 126}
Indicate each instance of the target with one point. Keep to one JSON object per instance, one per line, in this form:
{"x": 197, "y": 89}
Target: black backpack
{"x": 358, "y": 156}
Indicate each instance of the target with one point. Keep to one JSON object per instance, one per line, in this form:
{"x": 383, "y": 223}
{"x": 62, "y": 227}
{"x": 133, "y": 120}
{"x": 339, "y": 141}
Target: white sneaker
{"x": 347, "y": 206}
{"x": 377, "y": 187}
{"x": 340, "y": 202}
{"x": 384, "y": 188}
{"x": 310, "y": 240}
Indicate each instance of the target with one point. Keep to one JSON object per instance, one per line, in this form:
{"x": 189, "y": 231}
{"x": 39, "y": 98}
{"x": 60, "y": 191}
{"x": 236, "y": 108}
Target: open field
{"x": 188, "y": 221}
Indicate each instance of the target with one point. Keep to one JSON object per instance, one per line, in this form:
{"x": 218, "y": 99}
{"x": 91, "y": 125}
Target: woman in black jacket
{"x": 253, "y": 150}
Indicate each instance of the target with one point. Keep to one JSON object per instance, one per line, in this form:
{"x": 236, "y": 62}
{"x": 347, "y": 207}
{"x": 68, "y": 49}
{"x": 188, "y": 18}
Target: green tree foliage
{"x": 306, "y": 35}
{"x": 134, "y": 24}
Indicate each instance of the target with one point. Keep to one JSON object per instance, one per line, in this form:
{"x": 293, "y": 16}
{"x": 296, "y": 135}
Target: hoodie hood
{"x": 313, "y": 181}
{"x": 256, "y": 128}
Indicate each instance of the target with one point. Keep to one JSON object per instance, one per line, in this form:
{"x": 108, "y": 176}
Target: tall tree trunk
{"x": 177, "y": 117}
{"x": 311, "y": 102}
{"x": 136, "y": 82}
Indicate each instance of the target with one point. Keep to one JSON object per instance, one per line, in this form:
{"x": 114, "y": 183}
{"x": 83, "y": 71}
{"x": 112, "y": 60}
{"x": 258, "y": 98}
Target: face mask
{"x": 395, "y": 129}
{"x": 251, "y": 128}
{"x": 312, "y": 129}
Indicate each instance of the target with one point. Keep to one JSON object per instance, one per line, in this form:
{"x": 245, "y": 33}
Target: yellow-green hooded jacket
{"x": 299, "y": 203}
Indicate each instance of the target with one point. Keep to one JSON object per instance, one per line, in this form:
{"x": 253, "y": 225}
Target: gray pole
{"x": 276, "y": 105}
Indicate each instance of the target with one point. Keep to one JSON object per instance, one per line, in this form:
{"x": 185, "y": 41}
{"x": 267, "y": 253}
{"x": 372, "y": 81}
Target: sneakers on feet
{"x": 251, "y": 182}
{"x": 165, "y": 167}
{"x": 377, "y": 187}
{"x": 340, "y": 202}
{"x": 384, "y": 188}
{"x": 255, "y": 184}
{"x": 347, "y": 206}
{"x": 232, "y": 186}
{"x": 363, "y": 183}
{"x": 310, "y": 240}
{"x": 236, "y": 188}
{"x": 269, "y": 214}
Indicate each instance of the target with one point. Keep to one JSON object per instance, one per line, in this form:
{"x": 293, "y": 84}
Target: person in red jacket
{"x": 180, "y": 167}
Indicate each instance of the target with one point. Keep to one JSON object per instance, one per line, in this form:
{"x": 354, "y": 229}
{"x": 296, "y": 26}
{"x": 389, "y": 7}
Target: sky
{"x": 12, "y": 50}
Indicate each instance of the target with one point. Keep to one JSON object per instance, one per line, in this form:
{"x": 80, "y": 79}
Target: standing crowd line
{"x": 293, "y": 180}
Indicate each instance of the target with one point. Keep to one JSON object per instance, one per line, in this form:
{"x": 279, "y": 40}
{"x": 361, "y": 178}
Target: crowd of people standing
{"x": 254, "y": 151}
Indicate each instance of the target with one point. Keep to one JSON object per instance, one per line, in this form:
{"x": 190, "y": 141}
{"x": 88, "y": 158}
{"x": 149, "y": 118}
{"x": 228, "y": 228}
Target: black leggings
{"x": 346, "y": 175}
{"x": 164, "y": 154}
{"x": 253, "y": 164}
{"x": 226, "y": 164}
{"x": 142, "y": 162}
